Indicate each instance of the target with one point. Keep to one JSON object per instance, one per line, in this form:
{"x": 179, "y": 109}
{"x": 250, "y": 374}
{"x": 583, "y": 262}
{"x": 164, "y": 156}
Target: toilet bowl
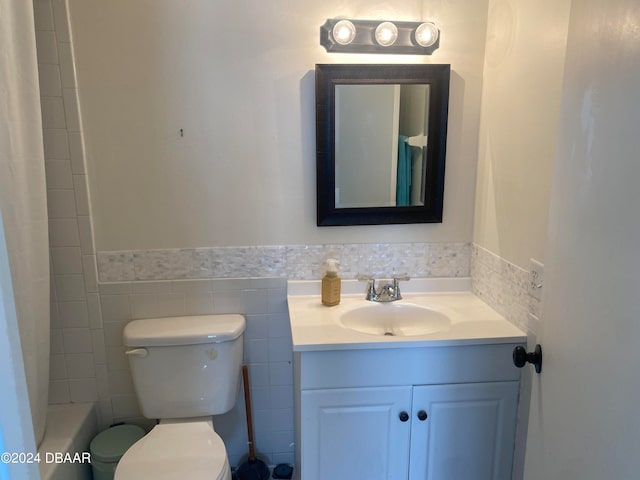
{"x": 184, "y": 370}
{"x": 177, "y": 449}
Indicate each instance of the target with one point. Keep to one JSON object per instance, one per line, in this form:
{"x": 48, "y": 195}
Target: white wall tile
{"x": 157, "y": 305}
{"x": 125, "y": 406}
{"x": 191, "y": 286}
{"x": 120, "y": 383}
{"x": 151, "y": 287}
{"x": 199, "y": 303}
{"x": 229, "y": 302}
{"x": 54, "y": 317}
{"x": 59, "y": 392}
{"x": 85, "y": 234}
{"x": 53, "y": 115}
{"x": 98, "y": 345}
{"x": 113, "y": 333}
{"x": 282, "y": 419}
{"x": 256, "y": 351}
{"x": 90, "y": 270}
{"x": 280, "y": 349}
{"x": 63, "y": 232}
{"x": 116, "y": 359}
{"x": 102, "y": 381}
{"x": 255, "y": 301}
{"x": 66, "y": 260}
{"x": 115, "y": 307}
{"x": 61, "y": 204}
{"x": 77, "y": 340}
{"x": 50, "y": 82}
{"x": 277, "y": 300}
{"x": 95, "y": 313}
{"x": 61, "y": 20}
{"x": 230, "y": 284}
{"x": 43, "y": 14}
{"x": 83, "y": 390}
{"x": 76, "y": 152}
{"x": 58, "y": 174}
{"x": 281, "y": 396}
{"x": 57, "y": 367}
{"x": 70, "y": 288}
{"x": 280, "y": 373}
{"x": 258, "y": 375}
{"x": 106, "y": 413}
{"x": 67, "y": 68}
{"x": 57, "y": 344}
{"x": 73, "y": 314}
{"x": 278, "y": 325}
{"x": 257, "y": 327}
{"x": 81, "y": 194}
{"x": 80, "y": 365}
{"x": 260, "y": 398}
{"x": 117, "y": 288}
{"x": 47, "y": 49}
{"x": 56, "y": 144}
{"x": 72, "y": 112}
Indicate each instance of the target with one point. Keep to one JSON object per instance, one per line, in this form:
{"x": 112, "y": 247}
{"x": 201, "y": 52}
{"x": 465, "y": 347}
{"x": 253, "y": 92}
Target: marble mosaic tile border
{"x": 296, "y": 262}
{"x": 503, "y": 286}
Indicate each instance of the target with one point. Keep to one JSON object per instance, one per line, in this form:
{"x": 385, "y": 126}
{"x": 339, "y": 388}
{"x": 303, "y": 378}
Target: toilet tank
{"x": 185, "y": 366}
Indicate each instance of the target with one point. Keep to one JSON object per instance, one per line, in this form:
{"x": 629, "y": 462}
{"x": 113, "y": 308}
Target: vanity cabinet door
{"x": 468, "y": 432}
{"x": 356, "y": 433}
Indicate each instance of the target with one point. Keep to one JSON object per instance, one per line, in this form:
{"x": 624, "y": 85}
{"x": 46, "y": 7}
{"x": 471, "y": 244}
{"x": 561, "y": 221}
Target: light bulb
{"x": 344, "y": 32}
{"x": 426, "y": 34}
{"x": 386, "y": 34}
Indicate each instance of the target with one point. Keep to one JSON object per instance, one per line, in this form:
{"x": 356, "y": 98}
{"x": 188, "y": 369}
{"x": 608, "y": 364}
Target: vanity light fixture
{"x": 379, "y": 36}
{"x": 386, "y": 34}
{"x": 344, "y": 32}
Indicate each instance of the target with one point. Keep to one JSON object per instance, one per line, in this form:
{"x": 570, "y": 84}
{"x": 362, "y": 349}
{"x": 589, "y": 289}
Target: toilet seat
{"x": 177, "y": 449}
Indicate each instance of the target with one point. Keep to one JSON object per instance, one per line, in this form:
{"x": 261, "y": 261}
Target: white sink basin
{"x": 394, "y": 319}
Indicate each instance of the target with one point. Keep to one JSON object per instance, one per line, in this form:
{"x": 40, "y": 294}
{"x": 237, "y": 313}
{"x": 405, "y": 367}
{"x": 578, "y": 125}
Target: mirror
{"x": 381, "y": 137}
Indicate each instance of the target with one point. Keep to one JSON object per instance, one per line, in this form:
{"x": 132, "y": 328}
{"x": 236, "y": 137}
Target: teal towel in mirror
{"x": 403, "y": 182}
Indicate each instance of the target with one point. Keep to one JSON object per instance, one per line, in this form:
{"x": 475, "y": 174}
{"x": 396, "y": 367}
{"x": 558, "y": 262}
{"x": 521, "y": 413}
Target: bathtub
{"x": 65, "y": 446}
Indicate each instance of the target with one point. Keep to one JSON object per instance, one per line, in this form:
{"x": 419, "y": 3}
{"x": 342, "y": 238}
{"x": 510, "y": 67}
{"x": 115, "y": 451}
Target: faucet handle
{"x": 400, "y": 276}
{"x": 396, "y": 284}
{"x": 370, "y": 292}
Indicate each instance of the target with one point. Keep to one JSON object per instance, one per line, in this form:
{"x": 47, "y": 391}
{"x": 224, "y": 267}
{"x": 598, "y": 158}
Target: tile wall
{"x": 76, "y": 330}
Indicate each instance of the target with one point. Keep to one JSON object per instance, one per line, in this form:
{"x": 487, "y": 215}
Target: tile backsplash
{"x": 299, "y": 262}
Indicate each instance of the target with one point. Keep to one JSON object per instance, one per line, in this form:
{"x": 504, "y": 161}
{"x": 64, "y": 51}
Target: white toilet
{"x": 184, "y": 370}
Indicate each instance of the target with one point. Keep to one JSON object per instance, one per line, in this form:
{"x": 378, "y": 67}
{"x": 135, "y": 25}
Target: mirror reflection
{"x": 381, "y": 133}
{"x": 380, "y": 145}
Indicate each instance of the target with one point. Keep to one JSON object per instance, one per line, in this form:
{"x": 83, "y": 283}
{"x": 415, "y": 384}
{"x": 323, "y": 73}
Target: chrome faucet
{"x": 390, "y": 292}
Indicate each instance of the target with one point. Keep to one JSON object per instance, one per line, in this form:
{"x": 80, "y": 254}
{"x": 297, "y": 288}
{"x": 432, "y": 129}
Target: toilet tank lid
{"x": 187, "y": 330}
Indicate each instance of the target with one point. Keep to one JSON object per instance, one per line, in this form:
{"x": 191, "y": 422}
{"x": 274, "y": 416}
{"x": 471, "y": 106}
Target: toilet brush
{"x": 252, "y": 468}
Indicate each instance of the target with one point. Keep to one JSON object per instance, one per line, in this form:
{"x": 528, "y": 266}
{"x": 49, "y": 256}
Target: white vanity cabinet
{"x": 429, "y": 413}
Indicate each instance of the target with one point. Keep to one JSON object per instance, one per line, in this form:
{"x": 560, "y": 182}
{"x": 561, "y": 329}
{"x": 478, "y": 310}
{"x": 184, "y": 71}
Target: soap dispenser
{"x": 331, "y": 284}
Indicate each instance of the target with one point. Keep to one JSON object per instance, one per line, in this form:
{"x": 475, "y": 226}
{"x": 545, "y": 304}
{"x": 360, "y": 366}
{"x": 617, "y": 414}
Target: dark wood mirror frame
{"x": 327, "y": 77}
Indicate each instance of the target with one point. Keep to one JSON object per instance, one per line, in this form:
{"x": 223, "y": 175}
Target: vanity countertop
{"x": 316, "y": 327}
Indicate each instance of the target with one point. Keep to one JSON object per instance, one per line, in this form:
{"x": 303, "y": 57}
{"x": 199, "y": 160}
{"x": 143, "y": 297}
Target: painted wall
{"x": 518, "y": 129}
{"x": 242, "y": 89}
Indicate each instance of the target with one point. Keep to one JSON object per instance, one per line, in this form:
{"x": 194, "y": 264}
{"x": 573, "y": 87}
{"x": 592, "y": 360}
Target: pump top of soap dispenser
{"x": 332, "y": 267}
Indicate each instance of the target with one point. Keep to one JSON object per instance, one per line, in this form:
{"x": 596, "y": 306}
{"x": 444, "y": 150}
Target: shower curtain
{"x": 23, "y": 197}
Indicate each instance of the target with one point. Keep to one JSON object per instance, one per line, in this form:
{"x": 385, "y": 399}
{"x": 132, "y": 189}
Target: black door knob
{"x": 521, "y": 357}
{"x": 422, "y": 415}
{"x": 404, "y": 416}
